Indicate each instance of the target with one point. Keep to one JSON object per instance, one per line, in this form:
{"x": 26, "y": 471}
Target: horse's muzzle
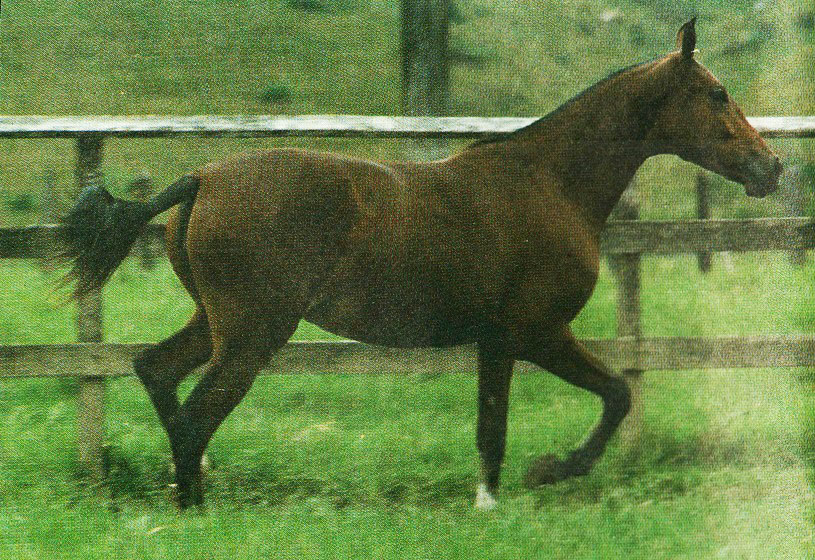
{"x": 763, "y": 177}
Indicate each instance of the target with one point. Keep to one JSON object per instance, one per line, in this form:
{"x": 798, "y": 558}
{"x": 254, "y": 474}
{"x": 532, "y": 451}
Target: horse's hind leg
{"x": 162, "y": 367}
{"x": 566, "y": 357}
{"x": 239, "y": 354}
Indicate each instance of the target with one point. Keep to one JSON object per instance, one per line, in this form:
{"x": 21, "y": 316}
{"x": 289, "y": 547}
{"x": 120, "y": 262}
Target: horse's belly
{"x": 390, "y": 324}
{"x": 400, "y": 308}
{"x": 395, "y": 334}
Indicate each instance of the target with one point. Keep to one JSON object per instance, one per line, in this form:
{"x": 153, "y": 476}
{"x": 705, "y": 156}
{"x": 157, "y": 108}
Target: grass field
{"x": 343, "y": 466}
{"x": 385, "y": 467}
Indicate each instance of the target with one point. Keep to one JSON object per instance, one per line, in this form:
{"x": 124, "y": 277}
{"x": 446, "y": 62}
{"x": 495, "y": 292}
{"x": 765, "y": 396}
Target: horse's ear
{"x": 686, "y": 39}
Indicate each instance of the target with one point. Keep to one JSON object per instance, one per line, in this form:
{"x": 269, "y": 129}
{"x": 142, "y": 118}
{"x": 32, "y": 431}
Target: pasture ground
{"x": 385, "y": 466}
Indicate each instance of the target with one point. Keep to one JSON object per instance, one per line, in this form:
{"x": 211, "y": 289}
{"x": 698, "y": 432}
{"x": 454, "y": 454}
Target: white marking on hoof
{"x": 172, "y": 494}
{"x": 205, "y": 465}
{"x": 484, "y": 501}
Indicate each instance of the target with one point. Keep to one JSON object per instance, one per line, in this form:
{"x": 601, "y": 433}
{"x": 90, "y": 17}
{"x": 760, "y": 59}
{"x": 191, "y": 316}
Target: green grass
{"x": 385, "y": 467}
{"x": 352, "y": 466}
{"x": 335, "y": 464}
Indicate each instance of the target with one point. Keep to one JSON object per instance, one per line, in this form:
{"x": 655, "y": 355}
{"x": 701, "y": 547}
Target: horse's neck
{"x": 593, "y": 155}
{"x": 589, "y": 150}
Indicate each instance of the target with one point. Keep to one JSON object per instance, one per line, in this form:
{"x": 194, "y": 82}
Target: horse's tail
{"x": 100, "y": 229}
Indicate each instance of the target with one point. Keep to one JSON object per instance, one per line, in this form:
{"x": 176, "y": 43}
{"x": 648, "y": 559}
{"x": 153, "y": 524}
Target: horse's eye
{"x": 719, "y": 95}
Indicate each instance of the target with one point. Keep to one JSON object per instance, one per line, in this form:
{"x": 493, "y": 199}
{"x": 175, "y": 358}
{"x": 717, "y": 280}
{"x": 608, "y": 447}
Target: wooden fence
{"x": 624, "y": 241}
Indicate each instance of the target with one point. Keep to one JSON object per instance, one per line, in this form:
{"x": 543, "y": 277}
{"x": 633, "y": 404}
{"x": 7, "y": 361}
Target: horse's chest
{"x": 560, "y": 271}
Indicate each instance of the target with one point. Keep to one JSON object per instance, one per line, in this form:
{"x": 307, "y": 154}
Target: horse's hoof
{"x": 185, "y": 502}
{"x": 172, "y": 494}
{"x": 546, "y": 469}
{"x": 484, "y": 500}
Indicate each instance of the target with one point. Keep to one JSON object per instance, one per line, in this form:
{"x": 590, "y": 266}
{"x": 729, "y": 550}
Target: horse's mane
{"x": 503, "y": 136}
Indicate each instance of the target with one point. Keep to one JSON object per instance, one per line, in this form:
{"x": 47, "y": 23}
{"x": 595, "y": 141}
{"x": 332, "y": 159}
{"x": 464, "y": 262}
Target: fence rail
{"x": 313, "y": 125}
{"x": 332, "y": 357}
{"x": 620, "y": 237}
{"x": 92, "y": 361}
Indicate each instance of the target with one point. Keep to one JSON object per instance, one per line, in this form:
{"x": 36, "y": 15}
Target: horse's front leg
{"x": 494, "y": 375}
{"x": 566, "y": 357}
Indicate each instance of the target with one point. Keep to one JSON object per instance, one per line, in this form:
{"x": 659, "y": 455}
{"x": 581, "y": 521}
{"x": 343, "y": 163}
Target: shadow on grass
{"x": 269, "y": 483}
{"x": 661, "y": 468}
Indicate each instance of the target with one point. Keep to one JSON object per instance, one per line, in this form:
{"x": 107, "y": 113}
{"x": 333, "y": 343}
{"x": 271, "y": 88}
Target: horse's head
{"x": 697, "y": 120}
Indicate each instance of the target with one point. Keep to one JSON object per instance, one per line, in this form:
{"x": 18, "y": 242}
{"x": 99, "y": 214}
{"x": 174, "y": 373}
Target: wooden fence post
{"x": 91, "y": 414}
{"x": 626, "y": 268}
{"x": 425, "y": 68}
{"x": 48, "y": 208}
{"x": 791, "y": 187}
{"x": 703, "y": 213}
{"x": 141, "y": 189}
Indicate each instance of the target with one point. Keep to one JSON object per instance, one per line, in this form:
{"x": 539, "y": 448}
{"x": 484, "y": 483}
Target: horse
{"x": 496, "y": 245}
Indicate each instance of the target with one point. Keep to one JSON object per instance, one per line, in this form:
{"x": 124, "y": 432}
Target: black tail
{"x": 100, "y": 230}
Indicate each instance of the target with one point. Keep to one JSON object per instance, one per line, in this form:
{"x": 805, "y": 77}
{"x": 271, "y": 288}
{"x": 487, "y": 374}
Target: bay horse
{"x": 497, "y": 245}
